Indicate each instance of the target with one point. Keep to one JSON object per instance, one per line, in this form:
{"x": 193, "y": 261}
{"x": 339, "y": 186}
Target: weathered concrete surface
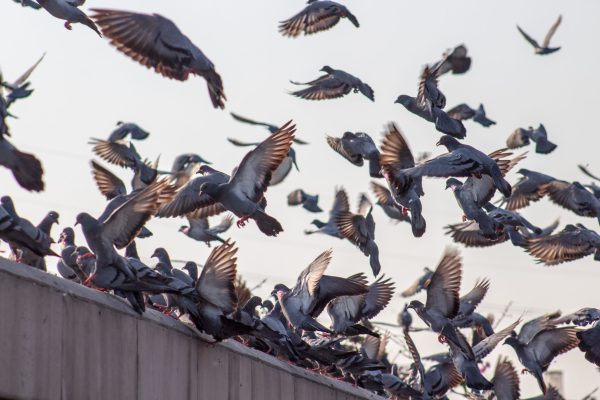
{"x": 60, "y": 340}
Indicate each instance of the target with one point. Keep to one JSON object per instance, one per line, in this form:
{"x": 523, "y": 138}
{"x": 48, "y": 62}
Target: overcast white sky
{"x": 84, "y": 86}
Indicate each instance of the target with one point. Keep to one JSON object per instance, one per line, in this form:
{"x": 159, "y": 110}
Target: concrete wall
{"x": 60, "y": 340}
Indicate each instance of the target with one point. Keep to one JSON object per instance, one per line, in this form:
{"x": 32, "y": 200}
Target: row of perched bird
{"x": 216, "y": 300}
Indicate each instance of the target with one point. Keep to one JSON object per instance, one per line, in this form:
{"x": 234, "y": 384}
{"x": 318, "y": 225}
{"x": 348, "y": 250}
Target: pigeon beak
{"x": 295, "y": 165}
{"x": 76, "y": 223}
{"x": 438, "y": 143}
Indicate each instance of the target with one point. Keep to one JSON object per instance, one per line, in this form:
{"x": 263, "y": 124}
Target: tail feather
{"x": 446, "y": 124}
{"x": 544, "y": 146}
{"x": 311, "y": 324}
{"x": 28, "y": 172}
{"x": 540, "y": 380}
{"x": 215, "y": 89}
{"x": 373, "y": 252}
{"x": 89, "y": 23}
{"x": 417, "y": 221}
{"x": 267, "y": 224}
{"x": 501, "y": 183}
{"x": 358, "y": 329}
{"x": 449, "y": 331}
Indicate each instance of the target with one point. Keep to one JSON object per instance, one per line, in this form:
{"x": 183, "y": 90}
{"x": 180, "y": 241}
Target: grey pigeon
{"x": 25, "y": 167}
{"x": 589, "y": 343}
{"x": 270, "y": 127}
{"x": 308, "y": 202}
{"x": 330, "y": 228}
{"x": 539, "y": 342}
{"x": 470, "y": 234}
{"x": 470, "y": 301}
{"x": 544, "y": 47}
{"x": 346, "y": 311}
{"x": 443, "y": 300}
{"x": 359, "y": 229}
{"x": 387, "y": 203}
{"x": 283, "y": 170}
{"x": 455, "y": 61}
{"x": 522, "y": 137}
{"x": 313, "y": 291}
{"x": 357, "y": 147}
{"x": 572, "y": 196}
{"x": 461, "y": 161}
{"x": 125, "y": 129}
{"x": 395, "y": 157}
{"x": 184, "y": 167}
{"x": 582, "y": 317}
{"x": 45, "y": 226}
{"x": 510, "y": 218}
{"x": 506, "y": 381}
{"x": 463, "y": 112}
{"x": 318, "y": 15}
{"x": 200, "y": 230}
{"x": 243, "y": 193}
{"x": 421, "y": 283}
{"x": 70, "y": 12}
{"x": 572, "y": 243}
{"x": 28, "y": 3}
{"x": 67, "y": 265}
{"x": 467, "y": 201}
{"x": 155, "y": 42}
{"x": 335, "y": 83}
{"x": 527, "y": 189}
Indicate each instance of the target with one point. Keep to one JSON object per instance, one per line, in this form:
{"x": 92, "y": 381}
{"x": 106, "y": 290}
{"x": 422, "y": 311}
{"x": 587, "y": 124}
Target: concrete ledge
{"x": 61, "y": 340}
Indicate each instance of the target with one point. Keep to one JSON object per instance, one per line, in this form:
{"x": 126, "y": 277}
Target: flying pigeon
{"x": 156, "y": 42}
{"x": 527, "y": 189}
{"x": 572, "y": 243}
{"x": 308, "y": 202}
{"x": 463, "y": 112}
{"x": 455, "y": 61}
{"x": 357, "y": 147}
{"x": 330, "y": 228}
{"x": 70, "y": 12}
{"x": 200, "y": 230}
{"x": 270, "y": 127}
{"x": 522, "y": 137}
{"x": 318, "y": 15}
{"x": 544, "y": 48}
{"x": 387, "y": 203}
{"x": 572, "y": 196}
{"x": 336, "y": 83}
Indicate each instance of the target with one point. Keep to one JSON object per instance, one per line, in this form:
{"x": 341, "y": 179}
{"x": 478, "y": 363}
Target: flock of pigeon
{"x": 216, "y": 299}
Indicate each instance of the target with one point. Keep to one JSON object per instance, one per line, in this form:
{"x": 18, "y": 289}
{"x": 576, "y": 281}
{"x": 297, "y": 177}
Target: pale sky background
{"x": 84, "y": 86}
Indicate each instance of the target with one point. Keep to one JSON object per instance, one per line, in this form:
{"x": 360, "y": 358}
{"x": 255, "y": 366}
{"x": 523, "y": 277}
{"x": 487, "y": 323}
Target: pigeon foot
{"x": 405, "y": 211}
{"x": 524, "y": 371}
{"x": 442, "y": 339}
{"x": 68, "y": 25}
{"x": 242, "y": 222}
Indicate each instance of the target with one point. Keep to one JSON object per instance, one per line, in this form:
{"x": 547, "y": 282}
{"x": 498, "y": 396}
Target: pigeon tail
{"x": 267, "y": 224}
{"x": 89, "y": 23}
{"x": 540, "y": 380}
{"x": 475, "y": 380}
{"x": 417, "y": 221}
{"x": 544, "y": 146}
{"x": 311, "y": 324}
{"x": 28, "y": 171}
{"x": 358, "y": 329}
{"x": 501, "y": 183}
{"x": 449, "y": 331}
{"x": 448, "y": 125}
{"x": 373, "y": 251}
{"x": 215, "y": 89}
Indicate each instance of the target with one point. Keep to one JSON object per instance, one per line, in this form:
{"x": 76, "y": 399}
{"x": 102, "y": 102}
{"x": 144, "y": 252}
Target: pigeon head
{"x": 416, "y": 305}
{"x": 523, "y": 171}
{"x": 184, "y": 229}
{"x": 454, "y": 184}
{"x": 404, "y": 100}
{"x": 279, "y": 288}
{"x": 7, "y": 202}
{"x": 449, "y": 142}
{"x": 317, "y": 223}
{"x": 512, "y": 341}
{"x": 85, "y": 220}
{"x": 327, "y": 69}
{"x": 210, "y": 188}
{"x": 161, "y": 254}
{"x": 67, "y": 235}
{"x": 579, "y": 185}
{"x": 192, "y": 270}
{"x": 52, "y": 216}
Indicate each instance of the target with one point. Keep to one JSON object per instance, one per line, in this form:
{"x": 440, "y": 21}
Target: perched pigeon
{"x": 357, "y": 147}
{"x": 347, "y": 311}
{"x": 308, "y": 202}
{"x": 244, "y": 192}
{"x": 200, "y": 230}
{"x": 387, "y": 203}
{"x": 443, "y": 301}
{"x": 125, "y": 129}
{"x": 572, "y": 196}
{"x": 313, "y": 291}
{"x": 463, "y": 112}
{"x": 455, "y": 61}
{"x": 539, "y": 342}
{"x": 359, "y": 229}
{"x": 396, "y": 156}
{"x": 336, "y": 83}
{"x": 420, "y": 284}
{"x": 544, "y": 48}
{"x": 270, "y": 127}
{"x": 330, "y": 228}
{"x": 461, "y": 160}
{"x": 572, "y": 243}
{"x": 527, "y": 189}
{"x": 522, "y": 137}
{"x": 318, "y": 15}
{"x": 155, "y": 42}
{"x": 69, "y": 11}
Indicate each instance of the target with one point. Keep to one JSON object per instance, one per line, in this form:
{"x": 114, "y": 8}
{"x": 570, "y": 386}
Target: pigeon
{"x": 469, "y": 302}
{"x": 420, "y": 284}
{"x": 346, "y": 311}
{"x": 522, "y": 137}
{"x": 506, "y": 381}
{"x": 572, "y": 243}
{"x": 125, "y": 129}
{"x": 387, "y": 203}
{"x": 70, "y": 12}
{"x": 455, "y": 61}
{"x": 200, "y": 230}
{"x": 184, "y": 167}
{"x": 510, "y": 218}
{"x": 313, "y": 290}
{"x": 27, "y": 256}
{"x": 156, "y": 42}
{"x": 67, "y": 265}
{"x": 270, "y": 127}
{"x": 25, "y": 167}
{"x": 109, "y": 184}
{"x": 20, "y": 233}
{"x": 585, "y": 170}
{"x": 243, "y": 193}
{"x": 396, "y": 156}
{"x": 335, "y": 83}
{"x": 443, "y": 301}
{"x": 461, "y": 160}
{"x": 463, "y": 112}
{"x": 330, "y": 228}
{"x": 544, "y": 48}
{"x": 359, "y": 229}
{"x": 357, "y": 147}
{"x": 527, "y": 189}
{"x": 589, "y": 343}
{"x": 538, "y": 343}
{"x": 470, "y": 234}
{"x": 28, "y": 3}
{"x": 308, "y": 202}
{"x": 572, "y": 196}
{"x": 317, "y": 16}
{"x": 284, "y": 168}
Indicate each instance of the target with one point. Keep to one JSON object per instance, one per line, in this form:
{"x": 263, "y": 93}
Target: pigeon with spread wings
{"x": 335, "y": 83}
{"x": 317, "y": 16}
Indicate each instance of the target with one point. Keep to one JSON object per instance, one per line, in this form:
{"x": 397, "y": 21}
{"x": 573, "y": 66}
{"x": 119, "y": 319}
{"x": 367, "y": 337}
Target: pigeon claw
{"x": 242, "y": 222}
{"x": 405, "y": 211}
{"x": 442, "y": 339}
{"x": 524, "y": 371}
{"x": 68, "y": 25}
